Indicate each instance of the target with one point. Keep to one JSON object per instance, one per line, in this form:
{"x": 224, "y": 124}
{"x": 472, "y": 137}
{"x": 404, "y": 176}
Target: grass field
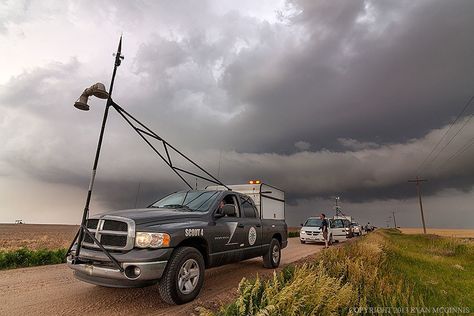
{"x": 385, "y": 270}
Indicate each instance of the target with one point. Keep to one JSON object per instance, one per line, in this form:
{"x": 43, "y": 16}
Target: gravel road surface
{"x": 52, "y": 290}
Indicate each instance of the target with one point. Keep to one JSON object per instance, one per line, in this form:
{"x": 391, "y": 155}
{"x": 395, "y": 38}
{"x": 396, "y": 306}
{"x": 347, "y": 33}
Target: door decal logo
{"x": 232, "y": 227}
{"x": 252, "y": 236}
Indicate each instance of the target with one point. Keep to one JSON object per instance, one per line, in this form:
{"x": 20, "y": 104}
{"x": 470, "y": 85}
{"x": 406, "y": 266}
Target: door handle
{"x": 240, "y": 225}
{"x": 259, "y": 225}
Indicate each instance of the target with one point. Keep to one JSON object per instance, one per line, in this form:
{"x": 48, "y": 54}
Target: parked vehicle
{"x": 176, "y": 238}
{"x": 356, "y": 229}
{"x": 347, "y": 220}
{"x": 369, "y": 228}
{"x": 311, "y": 231}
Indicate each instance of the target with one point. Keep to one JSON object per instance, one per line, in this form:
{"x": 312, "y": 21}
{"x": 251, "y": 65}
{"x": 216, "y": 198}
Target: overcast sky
{"x": 320, "y": 98}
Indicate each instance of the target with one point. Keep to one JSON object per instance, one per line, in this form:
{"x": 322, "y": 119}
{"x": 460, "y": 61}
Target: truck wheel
{"x": 302, "y": 241}
{"x": 272, "y": 258}
{"x": 183, "y": 276}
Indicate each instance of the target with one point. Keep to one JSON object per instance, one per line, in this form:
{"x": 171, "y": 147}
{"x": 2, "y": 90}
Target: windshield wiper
{"x": 176, "y": 206}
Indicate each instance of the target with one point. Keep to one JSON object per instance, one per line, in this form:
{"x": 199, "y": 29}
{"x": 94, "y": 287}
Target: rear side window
{"x": 247, "y": 207}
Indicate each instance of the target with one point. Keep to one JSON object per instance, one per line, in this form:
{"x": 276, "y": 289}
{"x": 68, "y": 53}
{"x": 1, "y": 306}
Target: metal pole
{"x": 394, "y": 220}
{"x": 85, "y": 214}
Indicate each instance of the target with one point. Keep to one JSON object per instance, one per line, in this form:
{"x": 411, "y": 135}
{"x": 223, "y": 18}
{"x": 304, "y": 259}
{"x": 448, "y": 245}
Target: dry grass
{"x": 35, "y": 236}
{"x": 458, "y": 233}
{"x": 382, "y": 269}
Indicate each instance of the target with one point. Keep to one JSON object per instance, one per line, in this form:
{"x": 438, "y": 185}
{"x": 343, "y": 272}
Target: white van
{"x": 311, "y": 230}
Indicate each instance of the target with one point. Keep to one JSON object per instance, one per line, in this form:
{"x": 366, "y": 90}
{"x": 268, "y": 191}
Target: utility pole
{"x": 418, "y": 182}
{"x": 394, "y": 220}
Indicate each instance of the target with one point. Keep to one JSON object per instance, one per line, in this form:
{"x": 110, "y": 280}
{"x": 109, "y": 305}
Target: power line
{"x": 451, "y": 139}
{"x": 460, "y": 151}
{"x": 445, "y": 133}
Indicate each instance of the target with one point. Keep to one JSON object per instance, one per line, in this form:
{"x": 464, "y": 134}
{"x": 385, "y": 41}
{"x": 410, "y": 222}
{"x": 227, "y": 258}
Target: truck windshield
{"x": 313, "y": 222}
{"x": 194, "y": 201}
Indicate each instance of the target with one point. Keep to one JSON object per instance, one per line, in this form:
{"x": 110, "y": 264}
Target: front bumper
{"x": 312, "y": 238}
{"x": 93, "y": 267}
{"x": 150, "y": 272}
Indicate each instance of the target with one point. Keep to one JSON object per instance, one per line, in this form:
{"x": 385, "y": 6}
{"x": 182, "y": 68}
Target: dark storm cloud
{"x": 336, "y": 98}
{"x": 396, "y": 74}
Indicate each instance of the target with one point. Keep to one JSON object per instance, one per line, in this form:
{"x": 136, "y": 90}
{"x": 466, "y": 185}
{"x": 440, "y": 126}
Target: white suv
{"x": 311, "y": 230}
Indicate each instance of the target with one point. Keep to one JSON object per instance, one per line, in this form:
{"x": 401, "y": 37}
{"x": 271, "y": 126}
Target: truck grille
{"x": 312, "y": 233}
{"x": 113, "y": 232}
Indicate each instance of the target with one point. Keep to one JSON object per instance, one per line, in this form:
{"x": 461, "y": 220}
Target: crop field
{"x": 35, "y": 236}
{"x": 458, "y": 233}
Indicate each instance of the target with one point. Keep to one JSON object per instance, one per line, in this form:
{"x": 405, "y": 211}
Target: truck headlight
{"x": 152, "y": 240}
{"x": 302, "y": 232}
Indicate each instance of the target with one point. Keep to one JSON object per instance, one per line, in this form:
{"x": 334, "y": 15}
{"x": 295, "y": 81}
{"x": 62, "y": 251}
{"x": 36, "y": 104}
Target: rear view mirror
{"x": 301, "y": 225}
{"x": 229, "y": 210}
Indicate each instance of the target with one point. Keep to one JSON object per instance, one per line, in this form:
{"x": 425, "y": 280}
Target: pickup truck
{"x": 173, "y": 240}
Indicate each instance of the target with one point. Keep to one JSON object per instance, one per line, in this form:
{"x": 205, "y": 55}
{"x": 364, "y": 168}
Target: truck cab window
{"x": 232, "y": 200}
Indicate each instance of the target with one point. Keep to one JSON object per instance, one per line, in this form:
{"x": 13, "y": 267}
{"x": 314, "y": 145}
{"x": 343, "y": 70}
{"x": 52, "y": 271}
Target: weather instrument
{"x": 169, "y": 151}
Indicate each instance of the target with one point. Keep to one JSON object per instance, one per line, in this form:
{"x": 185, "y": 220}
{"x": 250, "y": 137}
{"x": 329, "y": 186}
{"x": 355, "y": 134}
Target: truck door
{"x": 225, "y": 235}
{"x": 251, "y": 229}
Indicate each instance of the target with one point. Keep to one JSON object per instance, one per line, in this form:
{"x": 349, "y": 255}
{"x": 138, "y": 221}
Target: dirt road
{"x": 52, "y": 290}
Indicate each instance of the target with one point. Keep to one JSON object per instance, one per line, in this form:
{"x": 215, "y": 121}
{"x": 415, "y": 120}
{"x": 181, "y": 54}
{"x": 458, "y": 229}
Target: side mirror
{"x": 301, "y": 224}
{"x": 229, "y": 210}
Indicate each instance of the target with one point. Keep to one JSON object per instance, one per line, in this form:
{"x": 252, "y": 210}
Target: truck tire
{"x": 183, "y": 276}
{"x": 271, "y": 259}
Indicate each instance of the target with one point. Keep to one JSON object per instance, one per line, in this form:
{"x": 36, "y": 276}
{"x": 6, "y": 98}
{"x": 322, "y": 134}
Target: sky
{"x": 318, "y": 98}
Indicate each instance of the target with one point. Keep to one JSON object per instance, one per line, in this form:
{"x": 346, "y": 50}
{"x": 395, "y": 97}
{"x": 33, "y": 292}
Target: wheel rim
{"x": 275, "y": 253}
{"x": 188, "y": 276}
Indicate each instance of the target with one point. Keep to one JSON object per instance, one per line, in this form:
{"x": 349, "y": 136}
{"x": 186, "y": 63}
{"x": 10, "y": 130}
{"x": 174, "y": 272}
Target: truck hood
{"x": 156, "y": 215}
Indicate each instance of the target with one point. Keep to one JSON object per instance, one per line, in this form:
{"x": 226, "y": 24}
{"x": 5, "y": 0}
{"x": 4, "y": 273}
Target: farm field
{"x": 35, "y": 236}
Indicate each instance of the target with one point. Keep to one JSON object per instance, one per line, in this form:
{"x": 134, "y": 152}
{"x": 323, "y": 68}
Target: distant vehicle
{"x": 369, "y": 228}
{"x": 347, "y": 220}
{"x": 356, "y": 229}
{"x": 311, "y": 231}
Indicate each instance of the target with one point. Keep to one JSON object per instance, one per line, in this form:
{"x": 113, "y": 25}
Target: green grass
{"x": 441, "y": 269}
{"x": 293, "y": 234}
{"x": 28, "y": 258}
{"x": 382, "y": 269}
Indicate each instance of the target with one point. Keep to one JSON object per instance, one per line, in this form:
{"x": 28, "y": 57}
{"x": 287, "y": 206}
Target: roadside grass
{"x": 381, "y": 269}
{"x": 24, "y": 257}
{"x": 293, "y": 234}
{"x": 441, "y": 268}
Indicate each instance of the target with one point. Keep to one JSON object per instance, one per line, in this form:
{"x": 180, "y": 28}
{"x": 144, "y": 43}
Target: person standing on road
{"x": 324, "y": 229}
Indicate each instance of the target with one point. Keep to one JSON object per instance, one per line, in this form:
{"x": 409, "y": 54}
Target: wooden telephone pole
{"x": 418, "y": 182}
{"x": 394, "y": 220}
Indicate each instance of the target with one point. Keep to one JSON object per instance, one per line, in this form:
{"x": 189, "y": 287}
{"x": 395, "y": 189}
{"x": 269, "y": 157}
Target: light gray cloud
{"x": 316, "y": 97}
